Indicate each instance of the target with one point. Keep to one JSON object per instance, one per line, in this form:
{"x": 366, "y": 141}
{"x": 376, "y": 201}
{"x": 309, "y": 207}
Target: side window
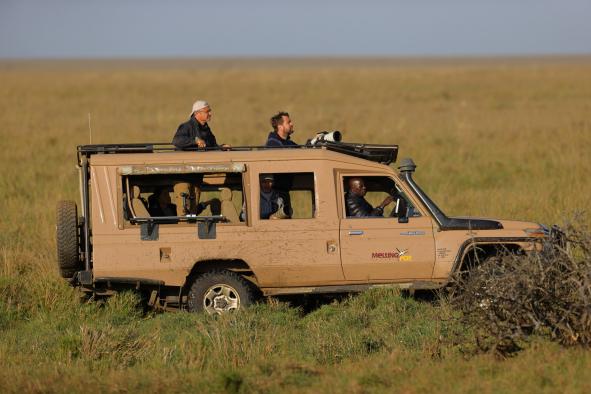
{"x": 173, "y": 196}
{"x": 376, "y": 196}
{"x": 287, "y": 195}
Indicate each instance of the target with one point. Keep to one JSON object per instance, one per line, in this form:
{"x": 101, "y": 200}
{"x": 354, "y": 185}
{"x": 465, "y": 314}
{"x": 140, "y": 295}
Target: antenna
{"x": 89, "y": 130}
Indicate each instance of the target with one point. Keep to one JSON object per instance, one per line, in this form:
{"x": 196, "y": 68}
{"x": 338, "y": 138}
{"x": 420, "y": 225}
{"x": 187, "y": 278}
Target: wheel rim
{"x": 220, "y": 299}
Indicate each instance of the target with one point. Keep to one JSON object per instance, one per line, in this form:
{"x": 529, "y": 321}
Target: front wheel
{"x": 219, "y": 292}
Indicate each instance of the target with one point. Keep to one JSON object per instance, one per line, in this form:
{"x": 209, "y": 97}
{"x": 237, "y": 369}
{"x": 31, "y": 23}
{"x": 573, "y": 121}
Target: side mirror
{"x": 401, "y": 210}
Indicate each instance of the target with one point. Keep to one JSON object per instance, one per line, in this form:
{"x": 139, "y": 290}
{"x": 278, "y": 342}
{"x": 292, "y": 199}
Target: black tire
{"x": 218, "y": 292}
{"x": 68, "y": 257}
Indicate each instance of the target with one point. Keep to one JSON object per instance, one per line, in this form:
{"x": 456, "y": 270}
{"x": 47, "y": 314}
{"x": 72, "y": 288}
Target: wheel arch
{"x": 237, "y": 266}
{"x": 475, "y": 251}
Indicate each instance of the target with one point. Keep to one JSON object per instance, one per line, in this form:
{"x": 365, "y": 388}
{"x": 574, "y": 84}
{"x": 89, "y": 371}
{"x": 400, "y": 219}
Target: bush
{"x": 507, "y": 298}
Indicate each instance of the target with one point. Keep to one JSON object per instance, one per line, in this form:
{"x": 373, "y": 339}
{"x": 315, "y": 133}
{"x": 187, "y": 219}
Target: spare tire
{"x": 68, "y": 256}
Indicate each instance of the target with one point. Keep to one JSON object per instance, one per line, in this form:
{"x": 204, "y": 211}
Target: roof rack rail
{"x": 148, "y": 147}
{"x": 384, "y": 154}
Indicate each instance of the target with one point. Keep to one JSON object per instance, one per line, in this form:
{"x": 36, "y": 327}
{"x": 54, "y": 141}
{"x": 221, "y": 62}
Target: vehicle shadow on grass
{"x": 309, "y": 303}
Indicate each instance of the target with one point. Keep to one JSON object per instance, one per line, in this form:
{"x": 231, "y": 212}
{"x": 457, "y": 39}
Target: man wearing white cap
{"x": 195, "y": 133}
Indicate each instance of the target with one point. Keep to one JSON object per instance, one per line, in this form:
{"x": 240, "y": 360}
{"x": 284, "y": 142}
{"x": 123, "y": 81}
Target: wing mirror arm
{"x": 401, "y": 210}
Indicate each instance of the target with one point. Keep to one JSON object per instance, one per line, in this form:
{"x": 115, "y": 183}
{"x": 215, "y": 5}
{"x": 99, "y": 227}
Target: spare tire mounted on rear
{"x": 67, "y": 236}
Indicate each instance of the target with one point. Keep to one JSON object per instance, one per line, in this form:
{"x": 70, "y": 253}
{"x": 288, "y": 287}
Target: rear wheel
{"x": 219, "y": 292}
{"x": 68, "y": 257}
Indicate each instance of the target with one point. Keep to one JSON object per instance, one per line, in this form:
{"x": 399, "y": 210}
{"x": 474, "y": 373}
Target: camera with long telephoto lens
{"x": 326, "y": 136}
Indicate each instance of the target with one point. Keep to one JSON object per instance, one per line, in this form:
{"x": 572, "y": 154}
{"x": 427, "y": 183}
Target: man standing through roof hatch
{"x": 195, "y": 133}
{"x": 282, "y": 131}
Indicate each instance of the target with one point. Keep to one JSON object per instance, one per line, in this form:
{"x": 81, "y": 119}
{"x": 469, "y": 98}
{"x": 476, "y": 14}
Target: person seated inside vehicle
{"x": 274, "y": 204}
{"x": 357, "y": 206}
{"x": 160, "y": 204}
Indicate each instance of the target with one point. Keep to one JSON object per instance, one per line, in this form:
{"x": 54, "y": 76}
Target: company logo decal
{"x": 400, "y": 255}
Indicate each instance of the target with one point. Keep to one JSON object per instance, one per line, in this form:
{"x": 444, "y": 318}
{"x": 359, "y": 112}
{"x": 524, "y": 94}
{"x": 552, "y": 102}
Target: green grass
{"x": 265, "y": 347}
{"x": 497, "y": 138}
{"x": 377, "y": 341}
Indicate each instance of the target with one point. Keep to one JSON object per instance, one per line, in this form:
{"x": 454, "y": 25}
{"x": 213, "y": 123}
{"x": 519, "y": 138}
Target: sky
{"x": 280, "y": 28}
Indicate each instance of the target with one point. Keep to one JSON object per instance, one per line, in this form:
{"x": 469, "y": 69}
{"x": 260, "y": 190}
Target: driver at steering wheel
{"x": 357, "y": 206}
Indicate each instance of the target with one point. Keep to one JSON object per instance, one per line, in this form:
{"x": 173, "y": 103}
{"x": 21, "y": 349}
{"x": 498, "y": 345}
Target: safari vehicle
{"x": 215, "y": 253}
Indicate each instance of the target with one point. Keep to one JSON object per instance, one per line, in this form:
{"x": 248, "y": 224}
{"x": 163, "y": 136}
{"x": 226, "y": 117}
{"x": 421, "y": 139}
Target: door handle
{"x": 355, "y": 232}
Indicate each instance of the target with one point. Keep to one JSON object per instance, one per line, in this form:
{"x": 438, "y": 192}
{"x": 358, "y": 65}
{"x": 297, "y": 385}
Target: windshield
{"x": 435, "y": 210}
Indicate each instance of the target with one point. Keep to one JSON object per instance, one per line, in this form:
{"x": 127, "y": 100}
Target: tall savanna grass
{"x": 504, "y": 138}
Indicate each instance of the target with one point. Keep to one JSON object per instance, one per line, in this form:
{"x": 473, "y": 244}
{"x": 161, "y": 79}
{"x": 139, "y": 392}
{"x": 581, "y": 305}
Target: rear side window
{"x": 287, "y": 195}
{"x": 171, "y": 196}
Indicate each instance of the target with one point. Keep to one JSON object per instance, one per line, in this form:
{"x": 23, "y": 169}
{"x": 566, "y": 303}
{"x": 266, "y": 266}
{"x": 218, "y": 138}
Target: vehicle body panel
{"x": 320, "y": 252}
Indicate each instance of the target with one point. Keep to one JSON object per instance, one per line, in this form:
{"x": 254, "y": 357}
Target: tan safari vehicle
{"x": 207, "y": 247}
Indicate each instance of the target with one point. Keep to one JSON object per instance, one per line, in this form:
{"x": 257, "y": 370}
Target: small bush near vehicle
{"x": 510, "y": 297}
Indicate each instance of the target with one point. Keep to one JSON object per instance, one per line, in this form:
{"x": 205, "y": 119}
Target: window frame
{"x": 124, "y": 201}
{"x": 314, "y": 191}
{"x": 342, "y": 176}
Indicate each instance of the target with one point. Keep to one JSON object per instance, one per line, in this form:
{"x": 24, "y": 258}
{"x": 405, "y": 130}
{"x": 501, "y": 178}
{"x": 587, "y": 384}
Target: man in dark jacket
{"x": 274, "y": 203}
{"x": 282, "y": 131}
{"x": 195, "y": 133}
{"x": 357, "y": 205}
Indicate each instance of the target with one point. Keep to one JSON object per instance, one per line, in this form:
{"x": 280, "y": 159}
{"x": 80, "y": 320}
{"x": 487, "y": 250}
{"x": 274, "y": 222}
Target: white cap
{"x": 198, "y": 105}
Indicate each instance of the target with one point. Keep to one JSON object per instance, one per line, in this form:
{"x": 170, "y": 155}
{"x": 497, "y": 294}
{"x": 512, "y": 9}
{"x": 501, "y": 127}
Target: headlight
{"x": 541, "y": 231}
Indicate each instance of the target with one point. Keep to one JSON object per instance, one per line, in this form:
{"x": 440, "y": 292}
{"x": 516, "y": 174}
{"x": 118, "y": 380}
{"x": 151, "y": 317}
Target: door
{"x": 299, "y": 246}
{"x": 386, "y": 248}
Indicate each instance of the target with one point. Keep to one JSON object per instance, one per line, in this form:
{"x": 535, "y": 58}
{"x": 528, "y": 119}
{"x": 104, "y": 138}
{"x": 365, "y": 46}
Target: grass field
{"x": 504, "y": 138}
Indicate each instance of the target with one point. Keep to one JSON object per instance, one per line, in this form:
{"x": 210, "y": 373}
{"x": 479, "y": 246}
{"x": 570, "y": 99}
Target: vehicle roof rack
{"x": 384, "y": 154}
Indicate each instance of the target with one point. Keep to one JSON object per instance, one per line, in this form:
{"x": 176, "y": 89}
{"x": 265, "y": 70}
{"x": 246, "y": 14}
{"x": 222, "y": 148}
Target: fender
{"x": 473, "y": 242}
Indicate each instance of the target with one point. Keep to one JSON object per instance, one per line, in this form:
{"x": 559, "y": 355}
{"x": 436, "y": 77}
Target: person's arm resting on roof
{"x": 183, "y": 139}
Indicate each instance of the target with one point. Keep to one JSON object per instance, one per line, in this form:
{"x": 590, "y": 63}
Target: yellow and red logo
{"x": 400, "y": 255}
